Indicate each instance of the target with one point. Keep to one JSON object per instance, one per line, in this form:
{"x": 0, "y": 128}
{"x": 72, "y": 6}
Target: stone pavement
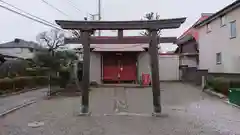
{"x": 10, "y": 102}
{"x": 190, "y": 112}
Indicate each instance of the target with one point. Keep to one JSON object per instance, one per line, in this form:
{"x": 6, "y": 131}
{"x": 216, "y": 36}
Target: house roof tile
{"x": 19, "y": 43}
{"x": 192, "y": 31}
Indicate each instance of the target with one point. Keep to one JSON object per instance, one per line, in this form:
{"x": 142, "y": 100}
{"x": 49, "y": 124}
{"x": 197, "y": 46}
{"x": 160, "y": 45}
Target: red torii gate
{"x": 87, "y": 27}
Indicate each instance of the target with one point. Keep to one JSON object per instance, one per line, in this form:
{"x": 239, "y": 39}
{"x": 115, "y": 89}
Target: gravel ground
{"x": 10, "y": 102}
{"x": 190, "y": 112}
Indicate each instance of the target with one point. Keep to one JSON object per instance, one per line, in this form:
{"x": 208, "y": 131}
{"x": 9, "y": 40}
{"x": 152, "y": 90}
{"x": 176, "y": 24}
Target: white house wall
{"x": 168, "y": 66}
{"x": 218, "y": 40}
{"x": 95, "y": 67}
{"x": 17, "y": 52}
{"x": 143, "y": 64}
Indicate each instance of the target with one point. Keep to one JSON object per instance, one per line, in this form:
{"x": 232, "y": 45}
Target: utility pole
{"x": 93, "y": 18}
{"x": 99, "y": 15}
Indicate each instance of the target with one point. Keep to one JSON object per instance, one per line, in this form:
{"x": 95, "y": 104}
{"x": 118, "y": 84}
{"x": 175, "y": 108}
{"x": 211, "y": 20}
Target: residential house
{"x": 19, "y": 48}
{"x": 188, "y": 44}
{"x": 219, "y": 41}
{"x": 188, "y": 50}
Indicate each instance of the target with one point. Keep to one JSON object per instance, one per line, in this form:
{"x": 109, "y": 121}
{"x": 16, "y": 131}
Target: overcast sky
{"x": 14, "y": 26}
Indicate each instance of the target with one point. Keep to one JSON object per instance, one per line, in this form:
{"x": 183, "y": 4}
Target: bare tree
{"x": 77, "y": 33}
{"x": 151, "y": 16}
{"x": 52, "y": 39}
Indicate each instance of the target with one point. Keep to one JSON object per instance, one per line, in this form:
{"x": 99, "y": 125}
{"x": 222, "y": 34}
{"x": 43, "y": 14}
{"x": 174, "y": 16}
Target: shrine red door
{"x": 110, "y": 70}
{"x": 128, "y": 68}
{"x": 119, "y": 67}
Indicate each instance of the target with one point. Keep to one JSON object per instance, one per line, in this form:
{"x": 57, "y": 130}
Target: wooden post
{"x": 86, "y": 71}
{"x": 153, "y": 50}
{"x": 120, "y": 34}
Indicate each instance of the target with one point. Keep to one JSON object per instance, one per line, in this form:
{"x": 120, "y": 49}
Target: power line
{"x": 31, "y": 18}
{"x": 79, "y": 10}
{"x": 73, "y": 5}
{"x": 28, "y": 13}
{"x": 60, "y": 11}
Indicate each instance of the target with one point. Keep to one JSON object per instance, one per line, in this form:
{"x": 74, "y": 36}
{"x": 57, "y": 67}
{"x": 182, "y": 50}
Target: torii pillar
{"x": 86, "y": 71}
{"x": 153, "y": 51}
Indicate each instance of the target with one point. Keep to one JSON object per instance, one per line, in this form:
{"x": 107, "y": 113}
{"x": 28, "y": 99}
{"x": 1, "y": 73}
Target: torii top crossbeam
{"x": 122, "y": 25}
{"x": 117, "y": 40}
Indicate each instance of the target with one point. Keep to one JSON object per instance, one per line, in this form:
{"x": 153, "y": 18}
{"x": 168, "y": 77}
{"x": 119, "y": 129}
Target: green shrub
{"x": 55, "y": 81}
{"x": 37, "y": 71}
{"x": 19, "y": 83}
{"x": 235, "y": 84}
{"x": 222, "y": 85}
{"x": 64, "y": 76}
{"x": 6, "y": 84}
{"x": 41, "y": 80}
{"x": 31, "y": 72}
{"x": 219, "y": 84}
{"x": 13, "y": 68}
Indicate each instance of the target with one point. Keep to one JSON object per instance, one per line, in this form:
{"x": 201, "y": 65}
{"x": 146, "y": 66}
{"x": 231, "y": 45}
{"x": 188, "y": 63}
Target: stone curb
{"x": 19, "y": 92}
{"x": 160, "y": 115}
{"x": 17, "y": 107}
{"x": 213, "y": 93}
{"x": 229, "y": 103}
{"x": 221, "y": 96}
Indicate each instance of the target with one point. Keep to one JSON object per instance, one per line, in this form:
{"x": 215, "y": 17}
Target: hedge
{"x": 12, "y": 68}
{"x": 24, "y": 72}
{"x": 222, "y": 85}
{"x": 37, "y": 71}
{"x": 19, "y": 83}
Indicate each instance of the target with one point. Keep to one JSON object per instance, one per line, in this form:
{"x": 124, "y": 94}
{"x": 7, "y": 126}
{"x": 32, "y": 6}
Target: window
{"x": 30, "y": 49}
{"x": 223, "y": 20}
{"x": 218, "y": 58}
{"x": 233, "y": 29}
{"x": 208, "y": 28}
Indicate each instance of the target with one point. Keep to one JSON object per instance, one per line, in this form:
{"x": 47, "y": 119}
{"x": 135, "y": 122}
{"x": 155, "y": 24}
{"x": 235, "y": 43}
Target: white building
{"x": 219, "y": 41}
{"x": 19, "y": 48}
